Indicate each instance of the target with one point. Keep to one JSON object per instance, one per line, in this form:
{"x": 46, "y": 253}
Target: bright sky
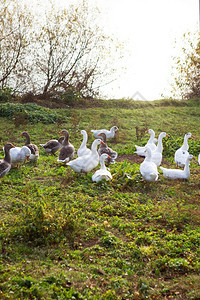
{"x": 149, "y": 29}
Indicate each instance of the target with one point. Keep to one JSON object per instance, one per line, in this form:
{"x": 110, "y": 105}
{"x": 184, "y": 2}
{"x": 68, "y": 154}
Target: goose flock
{"x": 88, "y": 159}
{"x": 153, "y": 159}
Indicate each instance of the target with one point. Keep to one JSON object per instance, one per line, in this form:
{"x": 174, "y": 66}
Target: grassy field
{"x": 63, "y": 236}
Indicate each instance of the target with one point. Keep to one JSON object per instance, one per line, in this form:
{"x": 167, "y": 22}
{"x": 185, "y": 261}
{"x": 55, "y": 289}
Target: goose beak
{"x": 102, "y": 143}
{"x": 60, "y": 132}
{"x": 194, "y": 158}
{"x": 21, "y": 134}
{"x": 12, "y": 146}
{"x": 99, "y": 134}
{"x": 109, "y": 156}
{"x": 192, "y": 136}
{"x": 167, "y": 135}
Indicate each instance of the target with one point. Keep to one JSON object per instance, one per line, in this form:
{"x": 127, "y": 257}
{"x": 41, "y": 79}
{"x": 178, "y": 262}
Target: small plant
{"x": 5, "y": 94}
{"x": 109, "y": 241}
{"x": 143, "y": 288}
{"x": 140, "y": 132}
{"x": 70, "y": 97}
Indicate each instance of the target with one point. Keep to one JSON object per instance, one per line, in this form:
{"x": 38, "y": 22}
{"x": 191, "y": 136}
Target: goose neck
{"x": 148, "y": 157}
{"x": 66, "y": 140}
{"x": 185, "y": 143}
{"x": 84, "y": 139}
{"x": 152, "y": 136}
{"x": 7, "y": 157}
{"x": 187, "y": 168}
{"x": 102, "y": 164}
{"x": 94, "y": 147}
{"x": 28, "y": 139}
{"x": 160, "y": 145}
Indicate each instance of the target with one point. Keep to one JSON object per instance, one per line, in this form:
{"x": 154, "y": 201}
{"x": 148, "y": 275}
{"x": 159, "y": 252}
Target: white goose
{"x": 151, "y": 143}
{"x": 156, "y": 156}
{"x": 148, "y": 169}
{"x": 102, "y": 173}
{"x": 176, "y": 173}
{"x": 182, "y": 153}
{"x": 109, "y": 133}
{"x": 19, "y": 155}
{"x": 83, "y": 150}
{"x": 86, "y": 163}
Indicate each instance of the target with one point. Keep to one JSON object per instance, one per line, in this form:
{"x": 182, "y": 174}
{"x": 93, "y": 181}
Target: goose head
{"x": 189, "y": 135}
{"x": 83, "y": 132}
{"x": 104, "y": 156}
{"x": 151, "y": 132}
{"x": 190, "y": 157}
{"x": 64, "y": 132}
{"x": 102, "y": 135}
{"x": 114, "y": 128}
{"x": 97, "y": 142}
{"x": 24, "y": 133}
{"x": 163, "y": 135}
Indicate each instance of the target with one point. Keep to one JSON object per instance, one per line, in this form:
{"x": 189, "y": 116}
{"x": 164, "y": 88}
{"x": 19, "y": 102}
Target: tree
{"x": 72, "y": 51}
{"x": 64, "y": 51}
{"x": 187, "y": 68}
{"x": 13, "y": 31}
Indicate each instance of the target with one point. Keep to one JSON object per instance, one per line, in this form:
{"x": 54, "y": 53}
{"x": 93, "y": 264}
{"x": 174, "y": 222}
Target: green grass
{"x": 63, "y": 236}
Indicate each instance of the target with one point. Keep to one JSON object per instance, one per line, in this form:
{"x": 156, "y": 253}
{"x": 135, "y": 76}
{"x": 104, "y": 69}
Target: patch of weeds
{"x": 143, "y": 288}
{"x": 109, "y": 295}
{"x": 124, "y": 175}
{"x": 168, "y": 266}
{"x": 41, "y": 226}
{"x": 109, "y": 240}
{"x": 32, "y": 112}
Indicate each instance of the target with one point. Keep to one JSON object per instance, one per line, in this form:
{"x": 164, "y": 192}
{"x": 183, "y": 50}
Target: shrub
{"x": 31, "y": 112}
{"x": 5, "y": 94}
{"x": 70, "y": 97}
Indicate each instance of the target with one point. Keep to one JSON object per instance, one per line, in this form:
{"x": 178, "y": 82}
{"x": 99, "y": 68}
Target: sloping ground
{"x": 63, "y": 236}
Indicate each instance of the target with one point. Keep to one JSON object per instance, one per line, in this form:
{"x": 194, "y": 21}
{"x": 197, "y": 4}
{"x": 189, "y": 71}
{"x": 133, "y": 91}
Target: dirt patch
{"x": 136, "y": 159}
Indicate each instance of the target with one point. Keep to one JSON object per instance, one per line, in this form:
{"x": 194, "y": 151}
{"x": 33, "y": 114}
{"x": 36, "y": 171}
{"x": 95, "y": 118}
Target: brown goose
{"x": 53, "y": 145}
{"x": 5, "y": 163}
{"x": 34, "y": 149}
{"x": 105, "y": 149}
{"x": 67, "y": 151}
